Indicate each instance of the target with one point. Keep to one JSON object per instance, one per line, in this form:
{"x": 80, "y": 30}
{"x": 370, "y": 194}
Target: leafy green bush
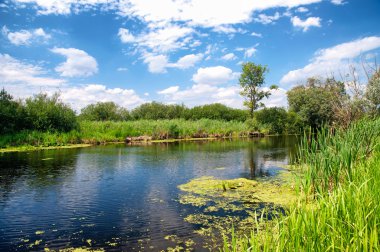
{"x": 46, "y": 113}
{"x": 104, "y": 111}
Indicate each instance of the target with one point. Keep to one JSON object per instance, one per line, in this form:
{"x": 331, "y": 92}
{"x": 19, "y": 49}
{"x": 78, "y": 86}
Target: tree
{"x": 11, "y": 117}
{"x": 104, "y": 111}
{"x": 251, "y": 80}
{"x": 46, "y": 113}
{"x": 373, "y": 91}
{"x": 273, "y": 118}
{"x": 317, "y": 102}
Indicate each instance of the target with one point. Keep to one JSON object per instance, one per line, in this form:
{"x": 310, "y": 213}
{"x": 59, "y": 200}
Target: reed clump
{"x": 339, "y": 197}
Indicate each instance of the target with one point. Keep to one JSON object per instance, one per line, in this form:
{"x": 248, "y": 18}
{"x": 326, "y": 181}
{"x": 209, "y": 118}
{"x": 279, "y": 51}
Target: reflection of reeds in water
{"x": 339, "y": 200}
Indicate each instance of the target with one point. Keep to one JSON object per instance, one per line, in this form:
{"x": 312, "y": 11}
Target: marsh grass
{"x": 94, "y": 132}
{"x": 339, "y": 197}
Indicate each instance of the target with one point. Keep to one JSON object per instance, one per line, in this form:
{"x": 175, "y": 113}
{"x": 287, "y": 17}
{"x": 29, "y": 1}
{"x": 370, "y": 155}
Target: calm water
{"x": 119, "y": 194}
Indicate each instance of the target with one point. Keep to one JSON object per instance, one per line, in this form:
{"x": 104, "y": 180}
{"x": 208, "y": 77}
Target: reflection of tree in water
{"x": 261, "y": 151}
{"x": 36, "y": 169}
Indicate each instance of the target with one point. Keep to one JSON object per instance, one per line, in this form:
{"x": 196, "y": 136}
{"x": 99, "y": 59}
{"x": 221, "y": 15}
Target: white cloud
{"x": 307, "y": 23}
{"x": 338, "y": 2}
{"x": 249, "y": 52}
{"x": 332, "y": 60}
{"x": 200, "y": 94}
{"x": 162, "y": 39}
{"x": 229, "y": 56}
{"x": 25, "y": 37}
{"x": 125, "y": 36}
{"x": 159, "y": 63}
{"x": 169, "y": 90}
{"x": 255, "y": 34}
{"x": 78, "y": 63}
{"x": 213, "y": 75}
{"x": 193, "y": 11}
{"x": 265, "y": 19}
{"x": 302, "y": 9}
{"x": 164, "y": 11}
{"x": 122, "y": 69}
{"x": 228, "y": 29}
{"x": 156, "y": 63}
{"x": 13, "y": 71}
{"x": 187, "y": 61}
{"x": 81, "y": 96}
{"x": 64, "y": 7}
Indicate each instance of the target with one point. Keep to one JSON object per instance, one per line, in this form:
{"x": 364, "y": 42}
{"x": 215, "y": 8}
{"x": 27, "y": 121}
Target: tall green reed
{"x": 342, "y": 173}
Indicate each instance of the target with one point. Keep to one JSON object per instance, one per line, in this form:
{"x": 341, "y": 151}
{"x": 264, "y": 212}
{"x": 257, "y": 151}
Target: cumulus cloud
{"x": 229, "y": 56}
{"x": 307, "y": 23}
{"x": 249, "y": 52}
{"x": 25, "y": 37}
{"x": 338, "y": 2}
{"x": 187, "y": 61}
{"x": 200, "y": 94}
{"x": 162, "y": 39}
{"x": 228, "y": 29}
{"x": 13, "y": 71}
{"x": 255, "y": 34}
{"x": 332, "y": 60}
{"x": 213, "y": 75}
{"x": 169, "y": 90}
{"x": 156, "y": 63}
{"x": 302, "y": 9}
{"x": 81, "y": 96}
{"x": 126, "y": 36}
{"x": 158, "y": 12}
{"x": 159, "y": 63}
{"x": 265, "y": 19}
{"x": 78, "y": 63}
{"x": 22, "y": 79}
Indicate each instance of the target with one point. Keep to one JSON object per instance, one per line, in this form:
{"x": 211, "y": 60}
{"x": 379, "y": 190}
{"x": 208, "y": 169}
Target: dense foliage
{"x": 10, "y": 113}
{"x": 40, "y": 112}
{"x": 373, "y": 91}
{"x": 104, "y": 111}
{"x": 157, "y": 110}
{"x": 46, "y": 113}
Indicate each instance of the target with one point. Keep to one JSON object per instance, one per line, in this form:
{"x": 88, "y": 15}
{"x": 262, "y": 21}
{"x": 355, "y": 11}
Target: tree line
{"x": 313, "y": 104}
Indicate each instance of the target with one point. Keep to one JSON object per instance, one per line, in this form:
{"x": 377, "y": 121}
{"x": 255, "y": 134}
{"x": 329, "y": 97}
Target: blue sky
{"x": 177, "y": 51}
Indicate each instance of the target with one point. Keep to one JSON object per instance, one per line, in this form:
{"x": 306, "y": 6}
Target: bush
{"x": 46, "y": 113}
{"x": 11, "y": 114}
{"x": 104, "y": 111}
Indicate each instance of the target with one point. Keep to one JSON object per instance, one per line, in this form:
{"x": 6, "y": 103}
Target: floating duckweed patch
{"x": 180, "y": 245}
{"x": 40, "y": 232}
{"x": 81, "y": 250}
{"x": 240, "y": 203}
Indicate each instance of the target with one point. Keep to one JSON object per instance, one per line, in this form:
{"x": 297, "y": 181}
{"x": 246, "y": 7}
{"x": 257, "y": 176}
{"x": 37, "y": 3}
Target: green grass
{"x": 339, "y": 198}
{"x": 102, "y": 132}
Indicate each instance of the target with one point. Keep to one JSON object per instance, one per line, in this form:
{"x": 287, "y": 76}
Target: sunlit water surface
{"x": 119, "y": 197}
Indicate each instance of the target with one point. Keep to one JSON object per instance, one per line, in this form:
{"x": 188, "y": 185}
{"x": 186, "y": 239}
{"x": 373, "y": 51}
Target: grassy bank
{"x": 91, "y": 132}
{"x": 339, "y": 198}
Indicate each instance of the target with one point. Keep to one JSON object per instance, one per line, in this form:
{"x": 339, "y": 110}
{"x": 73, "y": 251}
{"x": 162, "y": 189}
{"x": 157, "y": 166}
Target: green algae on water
{"x": 240, "y": 203}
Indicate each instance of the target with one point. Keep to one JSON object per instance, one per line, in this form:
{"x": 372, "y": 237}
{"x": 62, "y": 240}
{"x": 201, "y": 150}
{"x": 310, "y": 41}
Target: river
{"x": 120, "y": 197}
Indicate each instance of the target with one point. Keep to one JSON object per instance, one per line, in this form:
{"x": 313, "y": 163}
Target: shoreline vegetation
{"x": 338, "y": 191}
{"x": 135, "y": 132}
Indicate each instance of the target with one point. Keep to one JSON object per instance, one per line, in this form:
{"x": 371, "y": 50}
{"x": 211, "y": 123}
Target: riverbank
{"x": 94, "y": 133}
{"x": 338, "y": 205}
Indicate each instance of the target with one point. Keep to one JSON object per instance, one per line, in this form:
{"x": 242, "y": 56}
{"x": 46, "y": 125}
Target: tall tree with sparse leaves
{"x": 251, "y": 80}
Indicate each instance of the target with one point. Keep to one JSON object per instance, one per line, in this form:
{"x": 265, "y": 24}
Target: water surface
{"x": 119, "y": 197}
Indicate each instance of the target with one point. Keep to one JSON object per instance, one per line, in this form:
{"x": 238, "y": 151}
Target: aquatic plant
{"x": 341, "y": 191}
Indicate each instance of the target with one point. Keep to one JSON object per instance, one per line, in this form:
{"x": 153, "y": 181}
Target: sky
{"x": 178, "y": 51}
